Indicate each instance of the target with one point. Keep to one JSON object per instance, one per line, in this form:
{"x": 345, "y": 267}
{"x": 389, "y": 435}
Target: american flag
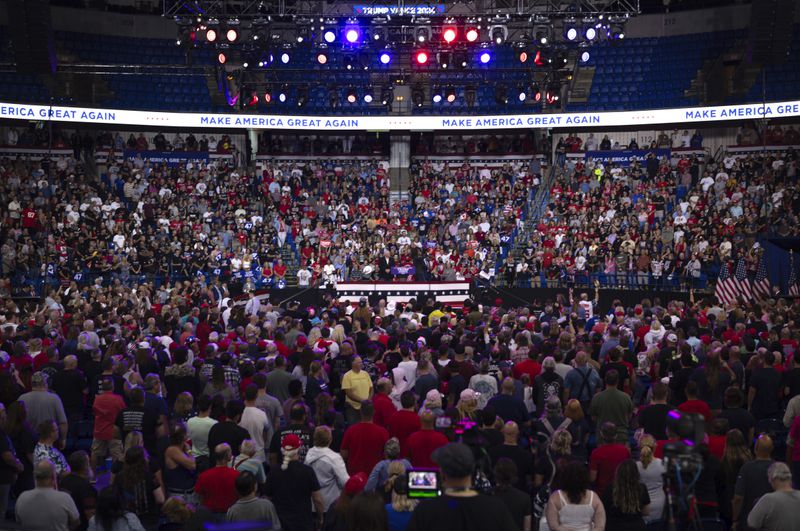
{"x": 762, "y": 289}
{"x": 726, "y": 289}
{"x": 742, "y": 282}
{"x": 794, "y": 288}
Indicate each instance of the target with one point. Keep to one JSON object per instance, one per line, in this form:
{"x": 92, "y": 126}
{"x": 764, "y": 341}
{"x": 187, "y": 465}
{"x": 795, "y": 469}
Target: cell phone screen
{"x": 423, "y": 483}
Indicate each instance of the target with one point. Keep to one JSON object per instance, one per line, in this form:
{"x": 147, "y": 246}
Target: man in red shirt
{"x": 405, "y": 421}
{"x": 530, "y": 366}
{"x": 606, "y": 458}
{"x": 217, "y": 486}
{"x": 421, "y": 444}
{"x": 362, "y": 445}
{"x": 107, "y": 406}
{"x": 384, "y": 407}
{"x": 694, "y": 404}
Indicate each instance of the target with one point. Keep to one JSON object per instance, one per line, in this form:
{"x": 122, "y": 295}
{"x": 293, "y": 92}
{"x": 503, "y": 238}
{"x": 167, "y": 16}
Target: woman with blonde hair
{"x": 400, "y": 509}
{"x": 651, "y": 472}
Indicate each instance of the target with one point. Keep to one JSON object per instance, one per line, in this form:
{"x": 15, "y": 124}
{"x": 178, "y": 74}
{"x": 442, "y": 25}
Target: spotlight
{"x": 499, "y": 34}
{"x": 570, "y": 30}
{"x": 302, "y": 96}
{"x": 329, "y": 36}
{"x": 500, "y": 95}
{"x": 221, "y": 58}
{"x": 211, "y": 35}
{"x": 351, "y": 95}
{"x": 590, "y": 34}
{"x": 253, "y": 100}
{"x": 363, "y": 59}
{"x": 349, "y": 62}
{"x": 422, "y": 34}
{"x": 282, "y": 94}
{"x": 436, "y": 96}
{"x": 418, "y": 96}
{"x": 449, "y": 35}
{"x": 385, "y": 58}
{"x": 322, "y": 58}
{"x": 387, "y": 95}
{"x": 540, "y": 59}
{"x": 522, "y": 95}
{"x": 444, "y": 59}
{"x": 352, "y": 35}
{"x": 422, "y": 58}
{"x": 450, "y": 94}
{"x": 472, "y": 34}
{"x": 585, "y": 56}
{"x": 460, "y": 58}
{"x": 267, "y": 97}
{"x": 552, "y": 94}
{"x": 616, "y": 32}
{"x": 542, "y": 35}
{"x": 485, "y": 57}
{"x": 245, "y": 64}
{"x": 537, "y": 93}
{"x": 232, "y": 35}
{"x": 523, "y": 56}
{"x": 285, "y": 58}
{"x": 368, "y": 96}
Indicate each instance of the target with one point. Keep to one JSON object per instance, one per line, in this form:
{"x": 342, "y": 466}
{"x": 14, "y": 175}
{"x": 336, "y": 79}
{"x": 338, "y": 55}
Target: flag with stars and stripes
{"x": 762, "y": 288}
{"x": 725, "y": 289}
{"x": 742, "y": 282}
{"x": 794, "y": 288}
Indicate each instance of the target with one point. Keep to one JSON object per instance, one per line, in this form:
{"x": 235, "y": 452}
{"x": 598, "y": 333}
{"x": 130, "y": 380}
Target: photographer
{"x": 460, "y": 508}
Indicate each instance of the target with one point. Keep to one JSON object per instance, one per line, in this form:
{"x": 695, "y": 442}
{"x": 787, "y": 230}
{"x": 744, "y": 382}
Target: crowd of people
{"x": 659, "y": 222}
{"x": 120, "y": 413}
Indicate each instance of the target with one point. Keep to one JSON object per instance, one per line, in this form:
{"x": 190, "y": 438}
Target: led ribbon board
{"x": 684, "y": 116}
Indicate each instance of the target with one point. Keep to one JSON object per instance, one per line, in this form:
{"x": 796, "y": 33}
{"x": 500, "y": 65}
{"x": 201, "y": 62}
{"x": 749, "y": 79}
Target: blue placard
{"x": 625, "y": 157}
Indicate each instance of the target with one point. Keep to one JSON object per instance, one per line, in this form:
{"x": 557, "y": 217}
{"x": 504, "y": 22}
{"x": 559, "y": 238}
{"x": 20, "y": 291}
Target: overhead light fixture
{"x": 450, "y": 94}
{"x": 387, "y": 95}
{"x": 422, "y": 34}
{"x": 436, "y": 95}
{"x": 501, "y": 95}
{"x": 329, "y": 36}
{"x": 571, "y": 29}
{"x": 499, "y": 34}
{"x": 418, "y": 96}
{"x": 422, "y": 57}
{"x": 351, "y": 95}
{"x": 449, "y": 34}
{"x": 472, "y": 34}
{"x": 385, "y": 58}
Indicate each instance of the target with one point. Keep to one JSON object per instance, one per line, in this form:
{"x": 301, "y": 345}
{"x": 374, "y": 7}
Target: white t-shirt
{"x": 256, "y": 423}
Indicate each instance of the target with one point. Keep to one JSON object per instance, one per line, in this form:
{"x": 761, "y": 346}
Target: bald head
{"x": 580, "y": 358}
{"x": 44, "y": 473}
{"x": 510, "y": 432}
{"x": 223, "y": 453}
{"x": 764, "y": 447}
{"x": 71, "y": 362}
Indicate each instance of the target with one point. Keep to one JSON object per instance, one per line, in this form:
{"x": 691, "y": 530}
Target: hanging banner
{"x": 583, "y": 120}
{"x": 626, "y": 156}
{"x": 170, "y": 158}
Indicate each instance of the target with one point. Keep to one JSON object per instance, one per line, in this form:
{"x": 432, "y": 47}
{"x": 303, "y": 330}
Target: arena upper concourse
{"x": 358, "y": 266}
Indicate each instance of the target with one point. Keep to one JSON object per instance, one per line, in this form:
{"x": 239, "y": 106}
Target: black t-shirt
{"x": 7, "y": 473}
{"x": 622, "y": 372}
{"x": 677, "y": 385}
{"x": 791, "y": 379}
{"x": 618, "y": 520}
{"x": 521, "y": 457}
{"x": 509, "y": 408}
{"x": 518, "y": 503}
{"x": 767, "y": 383}
{"x": 455, "y": 513}
{"x": 738, "y": 418}
{"x": 305, "y": 434}
{"x": 82, "y": 493}
{"x": 653, "y": 419}
{"x": 137, "y": 418}
{"x": 69, "y": 386}
{"x": 227, "y": 432}
{"x": 290, "y": 490}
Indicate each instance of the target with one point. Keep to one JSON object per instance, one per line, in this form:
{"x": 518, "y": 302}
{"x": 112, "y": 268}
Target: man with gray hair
{"x": 45, "y": 508}
{"x": 777, "y": 510}
{"x": 154, "y": 404}
{"x": 43, "y": 406}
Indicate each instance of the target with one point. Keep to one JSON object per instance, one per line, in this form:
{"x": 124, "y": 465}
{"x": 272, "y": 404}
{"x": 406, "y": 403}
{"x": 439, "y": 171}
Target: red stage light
{"x": 449, "y": 35}
{"x": 221, "y": 58}
{"x": 422, "y": 58}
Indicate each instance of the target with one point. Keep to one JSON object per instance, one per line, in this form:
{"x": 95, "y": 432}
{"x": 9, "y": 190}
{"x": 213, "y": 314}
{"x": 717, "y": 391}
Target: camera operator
{"x": 461, "y": 507}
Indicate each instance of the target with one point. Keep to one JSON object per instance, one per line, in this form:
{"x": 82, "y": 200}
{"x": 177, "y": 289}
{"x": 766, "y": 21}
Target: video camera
{"x": 683, "y": 463}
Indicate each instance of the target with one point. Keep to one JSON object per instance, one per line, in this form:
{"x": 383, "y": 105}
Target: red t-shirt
{"x": 605, "y": 459}
{"x": 384, "y": 409}
{"x": 530, "y": 367}
{"x": 106, "y": 408}
{"x": 716, "y": 445}
{"x": 217, "y": 488}
{"x": 401, "y": 425}
{"x": 421, "y": 444}
{"x": 696, "y": 406}
{"x": 364, "y": 442}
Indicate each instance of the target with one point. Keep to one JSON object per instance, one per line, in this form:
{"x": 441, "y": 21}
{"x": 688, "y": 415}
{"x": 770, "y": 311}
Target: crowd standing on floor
{"x": 304, "y": 418}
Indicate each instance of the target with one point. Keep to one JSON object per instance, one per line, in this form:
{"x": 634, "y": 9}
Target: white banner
{"x": 682, "y": 116}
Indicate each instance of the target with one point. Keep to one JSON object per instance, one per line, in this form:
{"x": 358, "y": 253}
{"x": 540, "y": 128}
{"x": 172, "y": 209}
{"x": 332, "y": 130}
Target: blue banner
{"x": 170, "y": 158}
{"x": 626, "y": 156}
